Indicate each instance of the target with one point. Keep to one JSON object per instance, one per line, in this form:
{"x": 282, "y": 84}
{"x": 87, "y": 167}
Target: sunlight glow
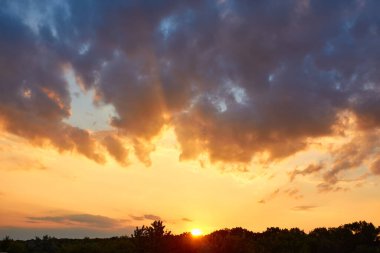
{"x": 196, "y": 232}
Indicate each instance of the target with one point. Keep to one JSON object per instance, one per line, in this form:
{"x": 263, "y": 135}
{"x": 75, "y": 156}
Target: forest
{"x": 356, "y": 237}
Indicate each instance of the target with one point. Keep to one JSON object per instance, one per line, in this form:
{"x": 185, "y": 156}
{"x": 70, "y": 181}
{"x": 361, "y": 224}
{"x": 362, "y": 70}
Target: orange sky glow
{"x": 203, "y": 114}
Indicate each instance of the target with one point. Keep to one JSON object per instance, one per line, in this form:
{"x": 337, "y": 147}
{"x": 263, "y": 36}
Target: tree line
{"x": 357, "y": 237}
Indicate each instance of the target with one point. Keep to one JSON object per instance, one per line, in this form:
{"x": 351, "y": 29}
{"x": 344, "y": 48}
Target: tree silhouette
{"x": 357, "y": 237}
{"x": 150, "y": 239}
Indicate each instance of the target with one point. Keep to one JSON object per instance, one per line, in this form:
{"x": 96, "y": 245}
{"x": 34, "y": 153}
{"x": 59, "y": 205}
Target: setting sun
{"x": 196, "y": 232}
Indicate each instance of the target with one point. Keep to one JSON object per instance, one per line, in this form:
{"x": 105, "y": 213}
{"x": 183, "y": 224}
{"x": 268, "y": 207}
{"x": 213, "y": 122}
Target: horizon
{"x": 204, "y": 114}
{"x": 81, "y": 233}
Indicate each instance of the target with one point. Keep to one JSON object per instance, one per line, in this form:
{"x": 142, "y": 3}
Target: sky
{"x": 205, "y": 114}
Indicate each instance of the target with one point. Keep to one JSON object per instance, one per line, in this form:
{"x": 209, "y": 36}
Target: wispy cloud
{"x": 310, "y": 169}
{"x": 328, "y": 187}
{"x": 152, "y": 217}
{"x": 86, "y": 220}
{"x": 293, "y": 193}
{"x": 375, "y": 167}
{"x": 145, "y": 217}
{"x": 304, "y": 208}
{"x": 270, "y": 196}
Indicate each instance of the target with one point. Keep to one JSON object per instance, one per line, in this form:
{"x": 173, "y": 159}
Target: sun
{"x": 196, "y": 232}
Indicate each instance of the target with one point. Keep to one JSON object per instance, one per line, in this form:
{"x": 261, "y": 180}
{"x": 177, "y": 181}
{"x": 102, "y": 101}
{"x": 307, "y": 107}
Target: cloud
{"x": 138, "y": 218}
{"x": 145, "y": 217}
{"x": 34, "y": 97}
{"x": 352, "y": 155}
{"x": 358, "y": 155}
{"x": 235, "y": 81}
{"x": 360, "y": 151}
{"x": 270, "y": 196}
{"x": 27, "y": 233}
{"x": 330, "y": 187}
{"x": 375, "y": 167}
{"x": 293, "y": 193}
{"x": 152, "y": 217}
{"x": 187, "y": 220}
{"x": 116, "y": 149}
{"x": 310, "y": 169}
{"x": 304, "y": 208}
{"x": 86, "y": 220}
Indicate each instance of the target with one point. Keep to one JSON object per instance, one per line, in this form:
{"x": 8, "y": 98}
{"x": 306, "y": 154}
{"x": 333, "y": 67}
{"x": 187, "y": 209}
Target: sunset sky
{"x": 205, "y": 114}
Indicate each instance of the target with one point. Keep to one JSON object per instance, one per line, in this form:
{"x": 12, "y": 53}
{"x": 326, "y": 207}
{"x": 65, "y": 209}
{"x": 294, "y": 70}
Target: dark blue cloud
{"x": 95, "y": 221}
{"x": 27, "y": 233}
{"x": 233, "y": 78}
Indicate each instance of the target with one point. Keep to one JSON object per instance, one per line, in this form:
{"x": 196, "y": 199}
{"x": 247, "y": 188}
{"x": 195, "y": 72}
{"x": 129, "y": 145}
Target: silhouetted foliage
{"x": 357, "y": 237}
{"x": 150, "y": 239}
